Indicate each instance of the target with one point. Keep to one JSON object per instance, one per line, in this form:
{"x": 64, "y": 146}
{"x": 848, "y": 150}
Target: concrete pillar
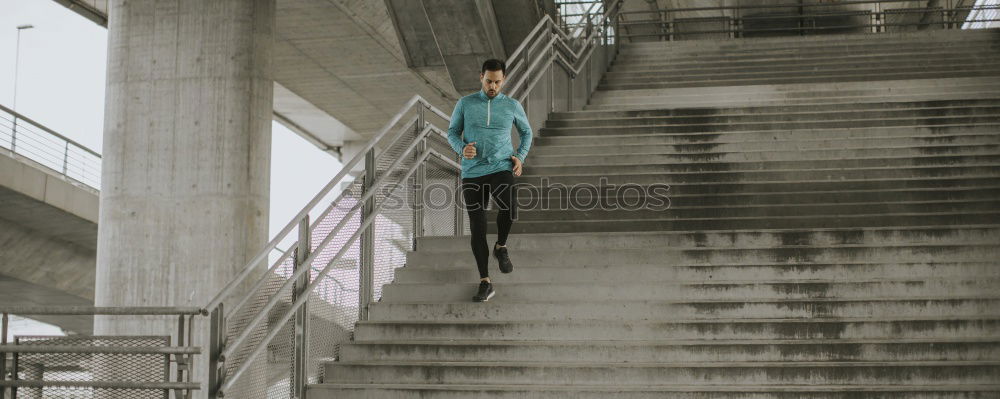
{"x": 185, "y": 179}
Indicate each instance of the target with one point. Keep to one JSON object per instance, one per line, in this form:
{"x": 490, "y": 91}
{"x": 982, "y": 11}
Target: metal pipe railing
{"x": 666, "y": 21}
{"x": 177, "y": 360}
{"x": 24, "y": 136}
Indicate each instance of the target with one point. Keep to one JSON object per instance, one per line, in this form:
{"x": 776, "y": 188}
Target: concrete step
{"x": 618, "y": 374}
{"x": 643, "y": 178}
{"x": 462, "y": 308}
{"x": 726, "y": 239}
{"x": 984, "y": 72}
{"x": 721, "y": 272}
{"x": 663, "y": 352}
{"x": 800, "y": 94}
{"x": 798, "y": 329}
{"x": 580, "y": 391}
{"x": 787, "y": 110}
{"x": 983, "y": 121}
{"x": 693, "y": 291}
{"x": 822, "y": 41}
{"x": 781, "y": 57}
{"x": 574, "y": 214}
{"x": 672, "y": 70}
{"x": 805, "y": 254}
{"x": 702, "y": 72}
{"x": 856, "y": 200}
{"x": 654, "y": 156}
{"x": 789, "y": 222}
{"x": 623, "y": 168}
{"x": 829, "y": 115}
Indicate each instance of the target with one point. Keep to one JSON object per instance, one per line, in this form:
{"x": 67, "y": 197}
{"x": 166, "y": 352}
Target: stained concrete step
{"x": 725, "y": 239}
{"x": 722, "y": 272}
{"x": 677, "y": 73}
{"x": 580, "y": 391}
{"x": 819, "y": 138}
{"x": 604, "y": 309}
{"x": 801, "y": 186}
{"x": 692, "y": 291}
{"x": 799, "y": 329}
{"x": 986, "y": 72}
{"x": 831, "y": 174}
{"x": 751, "y": 203}
{"x": 799, "y": 94}
{"x": 818, "y": 254}
{"x": 573, "y": 214}
{"x": 931, "y": 134}
{"x": 827, "y": 115}
{"x": 723, "y": 126}
{"x": 636, "y": 60}
{"x": 626, "y": 60}
{"x": 726, "y": 157}
{"x": 984, "y": 349}
{"x": 852, "y": 40}
{"x": 614, "y": 374}
{"x": 787, "y": 110}
{"x": 675, "y": 224}
{"x": 623, "y": 168}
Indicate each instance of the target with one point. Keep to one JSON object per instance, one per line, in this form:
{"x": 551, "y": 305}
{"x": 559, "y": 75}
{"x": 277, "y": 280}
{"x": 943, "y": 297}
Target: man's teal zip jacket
{"x": 487, "y": 122}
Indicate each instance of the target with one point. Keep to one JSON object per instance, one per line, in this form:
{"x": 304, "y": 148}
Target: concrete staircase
{"x": 833, "y": 232}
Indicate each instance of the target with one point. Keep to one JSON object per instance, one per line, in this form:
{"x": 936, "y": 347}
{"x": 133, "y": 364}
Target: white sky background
{"x": 61, "y": 85}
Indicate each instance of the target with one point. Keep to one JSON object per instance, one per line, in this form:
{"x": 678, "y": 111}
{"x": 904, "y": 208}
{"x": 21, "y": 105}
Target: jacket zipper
{"x": 488, "y": 103}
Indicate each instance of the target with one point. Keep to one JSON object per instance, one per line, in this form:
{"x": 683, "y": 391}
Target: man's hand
{"x": 469, "y": 151}
{"x": 517, "y": 165}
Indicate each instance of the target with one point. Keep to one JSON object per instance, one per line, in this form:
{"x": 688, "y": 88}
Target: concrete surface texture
{"x": 48, "y": 239}
{"x": 184, "y": 200}
{"x": 340, "y": 70}
{"x": 833, "y": 232}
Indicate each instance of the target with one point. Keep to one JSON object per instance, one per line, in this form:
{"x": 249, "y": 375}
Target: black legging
{"x": 476, "y": 191}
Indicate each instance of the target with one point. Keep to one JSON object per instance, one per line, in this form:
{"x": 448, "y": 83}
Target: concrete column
{"x": 185, "y": 179}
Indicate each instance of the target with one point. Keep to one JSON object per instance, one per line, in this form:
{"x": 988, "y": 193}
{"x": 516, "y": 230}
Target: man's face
{"x": 492, "y": 80}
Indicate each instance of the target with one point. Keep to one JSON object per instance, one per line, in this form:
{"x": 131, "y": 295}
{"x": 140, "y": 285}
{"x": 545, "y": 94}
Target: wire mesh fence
{"x": 66, "y": 374}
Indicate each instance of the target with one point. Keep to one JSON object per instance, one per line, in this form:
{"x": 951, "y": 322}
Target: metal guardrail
{"x": 130, "y": 366}
{"x": 22, "y": 136}
{"x": 857, "y": 16}
{"x": 273, "y": 327}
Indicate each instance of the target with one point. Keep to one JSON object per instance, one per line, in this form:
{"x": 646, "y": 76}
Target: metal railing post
{"x": 13, "y": 140}
{"x": 65, "y": 158}
{"x": 216, "y": 342}
{"x": 366, "y": 269}
{"x": 3, "y": 355}
{"x": 419, "y": 180}
{"x": 301, "y": 335}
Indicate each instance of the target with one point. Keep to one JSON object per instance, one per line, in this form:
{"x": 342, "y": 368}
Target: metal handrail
{"x": 557, "y": 37}
{"x": 287, "y": 314}
{"x": 50, "y": 149}
{"x": 287, "y": 284}
{"x": 249, "y": 267}
{"x": 748, "y": 7}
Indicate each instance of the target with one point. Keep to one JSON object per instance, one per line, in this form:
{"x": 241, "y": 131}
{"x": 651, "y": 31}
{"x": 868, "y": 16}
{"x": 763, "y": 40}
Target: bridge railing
{"x": 22, "y": 136}
{"x": 848, "y": 16}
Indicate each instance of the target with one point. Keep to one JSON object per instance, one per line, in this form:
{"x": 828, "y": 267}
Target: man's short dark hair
{"x": 494, "y": 64}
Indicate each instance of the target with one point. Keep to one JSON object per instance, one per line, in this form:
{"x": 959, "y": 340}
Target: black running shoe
{"x": 501, "y": 255}
{"x": 486, "y": 292}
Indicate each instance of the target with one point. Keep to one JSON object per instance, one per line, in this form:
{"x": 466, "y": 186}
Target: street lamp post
{"x": 17, "y": 58}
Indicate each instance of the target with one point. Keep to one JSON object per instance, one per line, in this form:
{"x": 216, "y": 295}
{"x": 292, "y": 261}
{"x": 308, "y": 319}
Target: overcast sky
{"x": 61, "y": 85}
